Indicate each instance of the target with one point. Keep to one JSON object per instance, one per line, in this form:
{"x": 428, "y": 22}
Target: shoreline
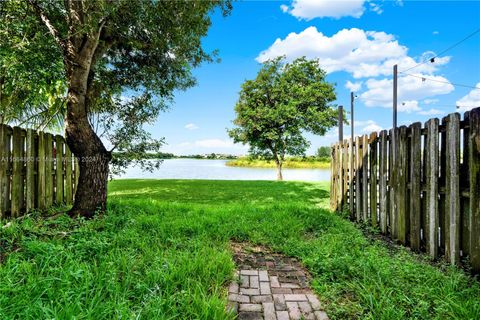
{"x": 288, "y": 164}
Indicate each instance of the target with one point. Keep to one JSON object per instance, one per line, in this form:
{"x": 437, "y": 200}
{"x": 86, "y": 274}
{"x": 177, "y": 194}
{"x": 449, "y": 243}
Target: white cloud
{"x": 431, "y": 112}
{"x": 470, "y": 101}
{"x": 379, "y": 92}
{"x": 372, "y": 127}
{"x": 361, "y": 53}
{"x": 353, "y": 86}
{"x": 408, "y": 106}
{"x": 310, "y": 9}
{"x": 191, "y": 126}
{"x": 284, "y": 8}
{"x": 376, "y": 8}
{"x": 430, "y": 101}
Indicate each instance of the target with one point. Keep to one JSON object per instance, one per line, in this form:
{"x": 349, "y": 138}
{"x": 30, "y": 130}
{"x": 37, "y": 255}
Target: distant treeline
{"x": 166, "y": 155}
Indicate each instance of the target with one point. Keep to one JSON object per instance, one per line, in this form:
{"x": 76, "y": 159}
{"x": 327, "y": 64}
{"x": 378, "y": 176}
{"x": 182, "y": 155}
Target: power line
{"x": 441, "y": 81}
{"x": 442, "y": 52}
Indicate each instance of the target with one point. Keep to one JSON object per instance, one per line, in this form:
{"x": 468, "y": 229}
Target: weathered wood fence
{"x": 420, "y": 186}
{"x": 37, "y": 170}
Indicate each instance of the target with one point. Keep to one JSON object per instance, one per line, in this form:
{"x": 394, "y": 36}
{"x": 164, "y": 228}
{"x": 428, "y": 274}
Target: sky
{"x": 357, "y": 43}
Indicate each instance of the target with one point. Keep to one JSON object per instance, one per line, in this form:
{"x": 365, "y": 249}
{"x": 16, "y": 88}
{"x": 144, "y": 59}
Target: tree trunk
{"x": 93, "y": 157}
{"x": 279, "y": 170}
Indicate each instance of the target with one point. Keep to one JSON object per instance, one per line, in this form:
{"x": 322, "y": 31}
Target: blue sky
{"x": 357, "y": 42}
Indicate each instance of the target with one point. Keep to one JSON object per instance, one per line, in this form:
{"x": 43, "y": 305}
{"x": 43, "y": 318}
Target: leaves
{"x": 284, "y": 101}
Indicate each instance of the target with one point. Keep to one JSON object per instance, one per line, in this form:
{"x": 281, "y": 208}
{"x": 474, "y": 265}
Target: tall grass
{"x": 162, "y": 252}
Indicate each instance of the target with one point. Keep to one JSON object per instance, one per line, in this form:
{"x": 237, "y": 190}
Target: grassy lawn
{"x": 162, "y": 252}
{"x": 293, "y": 163}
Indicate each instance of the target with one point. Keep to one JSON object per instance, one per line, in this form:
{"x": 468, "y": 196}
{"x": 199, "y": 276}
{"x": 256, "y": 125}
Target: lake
{"x": 218, "y": 170}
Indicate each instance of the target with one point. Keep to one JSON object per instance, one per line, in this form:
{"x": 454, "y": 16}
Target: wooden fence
{"x": 37, "y": 170}
{"x": 420, "y": 186}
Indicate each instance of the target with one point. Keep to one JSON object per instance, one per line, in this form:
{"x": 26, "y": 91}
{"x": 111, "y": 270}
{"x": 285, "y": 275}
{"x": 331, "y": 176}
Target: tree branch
{"x": 46, "y": 21}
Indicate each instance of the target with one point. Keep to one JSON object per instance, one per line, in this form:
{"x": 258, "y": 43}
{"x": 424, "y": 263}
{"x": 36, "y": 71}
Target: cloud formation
{"x": 358, "y": 52}
{"x": 310, "y": 9}
{"x": 191, "y": 126}
{"x": 470, "y": 101}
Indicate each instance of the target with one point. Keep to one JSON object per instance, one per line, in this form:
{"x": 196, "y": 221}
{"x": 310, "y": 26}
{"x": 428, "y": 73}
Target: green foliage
{"x": 324, "y": 152}
{"x": 146, "y": 50}
{"x": 161, "y": 252}
{"x": 280, "y": 104}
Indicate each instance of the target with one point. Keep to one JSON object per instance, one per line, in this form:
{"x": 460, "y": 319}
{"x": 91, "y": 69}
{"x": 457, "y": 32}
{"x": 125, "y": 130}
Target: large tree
{"x": 285, "y": 100}
{"x": 99, "y": 50}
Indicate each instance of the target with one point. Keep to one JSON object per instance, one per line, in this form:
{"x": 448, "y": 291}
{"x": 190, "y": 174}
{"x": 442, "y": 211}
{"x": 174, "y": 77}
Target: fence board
{"x": 373, "y": 179}
{"x": 17, "y": 172}
{"x": 4, "y": 181}
{"x": 68, "y": 176}
{"x": 48, "y": 170}
{"x": 465, "y": 182}
{"x": 30, "y": 171}
{"x": 41, "y": 172}
{"x": 401, "y": 190}
{"x": 452, "y": 189}
{"x": 474, "y": 174}
{"x": 358, "y": 186}
{"x": 431, "y": 160}
{"x": 393, "y": 183}
{"x": 351, "y": 173}
{"x": 59, "y": 185}
{"x": 383, "y": 175}
{"x": 415, "y": 185}
{"x": 365, "y": 177}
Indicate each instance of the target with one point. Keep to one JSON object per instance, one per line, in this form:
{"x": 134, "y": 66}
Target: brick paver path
{"x": 271, "y": 286}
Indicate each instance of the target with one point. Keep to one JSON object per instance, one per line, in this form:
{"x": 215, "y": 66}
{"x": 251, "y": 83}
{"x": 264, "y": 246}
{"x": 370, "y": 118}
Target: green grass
{"x": 294, "y": 163}
{"x": 162, "y": 252}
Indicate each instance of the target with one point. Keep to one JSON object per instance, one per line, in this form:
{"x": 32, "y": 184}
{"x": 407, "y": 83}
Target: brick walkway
{"x": 271, "y": 286}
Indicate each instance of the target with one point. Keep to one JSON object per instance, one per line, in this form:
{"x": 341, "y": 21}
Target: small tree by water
{"x": 285, "y": 100}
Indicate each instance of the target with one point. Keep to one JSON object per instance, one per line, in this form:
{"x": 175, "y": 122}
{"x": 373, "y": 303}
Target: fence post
{"x": 474, "y": 177}
{"x": 415, "y": 185}
{"x": 431, "y": 175}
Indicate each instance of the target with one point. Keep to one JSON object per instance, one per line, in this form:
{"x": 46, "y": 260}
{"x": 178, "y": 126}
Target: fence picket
{"x": 365, "y": 178}
{"x": 373, "y": 179}
{"x": 17, "y": 172}
{"x": 415, "y": 185}
{"x": 401, "y": 190}
{"x": 431, "y": 160}
{"x": 358, "y": 183}
{"x": 474, "y": 173}
{"x": 383, "y": 169}
{"x": 59, "y": 169}
{"x": 452, "y": 189}
{"x": 4, "y": 180}
{"x": 30, "y": 171}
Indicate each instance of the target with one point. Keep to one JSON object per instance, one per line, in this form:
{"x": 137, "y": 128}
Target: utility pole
{"x": 340, "y": 123}
{"x": 352, "y": 99}
{"x": 394, "y": 131}
{"x": 395, "y": 71}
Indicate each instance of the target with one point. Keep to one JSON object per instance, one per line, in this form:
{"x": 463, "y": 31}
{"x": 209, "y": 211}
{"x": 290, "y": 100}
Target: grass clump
{"x": 162, "y": 252}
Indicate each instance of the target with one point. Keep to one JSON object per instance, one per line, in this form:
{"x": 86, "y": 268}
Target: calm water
{"x": 217, "y": 170}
